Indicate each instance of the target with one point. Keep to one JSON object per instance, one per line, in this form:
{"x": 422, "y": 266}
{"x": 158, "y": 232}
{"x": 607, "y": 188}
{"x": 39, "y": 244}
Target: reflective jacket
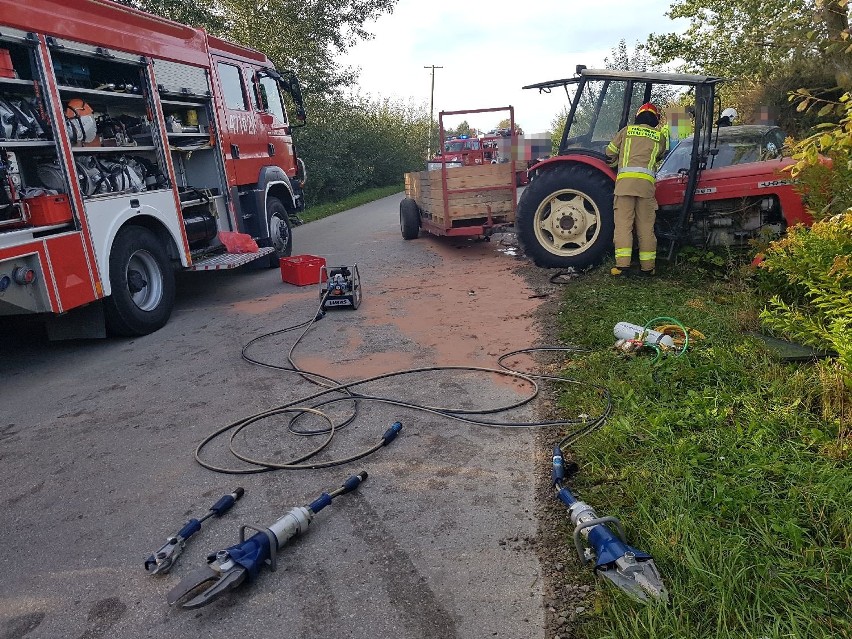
{"x": 639, "y": 150}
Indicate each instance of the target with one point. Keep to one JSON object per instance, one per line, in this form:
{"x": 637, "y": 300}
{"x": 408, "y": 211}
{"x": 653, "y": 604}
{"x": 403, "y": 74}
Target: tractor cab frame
{"x": 573, "y": 226}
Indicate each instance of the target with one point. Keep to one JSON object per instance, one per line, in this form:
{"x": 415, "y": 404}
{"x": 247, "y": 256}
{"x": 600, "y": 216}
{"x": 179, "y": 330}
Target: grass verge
{"x": 320, "y": 211}
{"x": 719, "y": 463}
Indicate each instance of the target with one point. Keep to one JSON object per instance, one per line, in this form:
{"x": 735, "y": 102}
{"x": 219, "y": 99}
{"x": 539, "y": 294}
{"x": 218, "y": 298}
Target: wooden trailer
{"x": 461, "y": 200}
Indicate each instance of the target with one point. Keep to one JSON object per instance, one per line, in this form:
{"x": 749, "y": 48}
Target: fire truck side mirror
{"x": 292, "y": 86}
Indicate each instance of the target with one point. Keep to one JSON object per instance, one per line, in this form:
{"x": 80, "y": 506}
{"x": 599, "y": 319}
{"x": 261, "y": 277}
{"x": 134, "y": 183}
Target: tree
{"x": 354, "y": 143}
{"x": 505, "y": 124}
{"x": 196, "y": 13}
{"x": 462, "y": 129}
{"x": 753, "y": 39}
{"x": 640, "y": 60}
{"x": 298, "y": 35}
{"x": 557, "y": 126}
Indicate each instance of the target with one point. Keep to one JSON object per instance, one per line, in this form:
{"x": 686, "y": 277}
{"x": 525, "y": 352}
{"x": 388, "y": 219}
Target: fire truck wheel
{"x": 280, "y": 231}
{"x": 409, "y": 219}
{"x": 143, "y": 283}
{"x": 565, "y": 217}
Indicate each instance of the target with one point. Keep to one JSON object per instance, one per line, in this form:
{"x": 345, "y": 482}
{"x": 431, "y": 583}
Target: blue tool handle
{"x": 348, "y": 486}
{"x": 558, "y": 466}
{"x": 608, "y": 547}
{"x": 189, "y": 529}
{"x": 566, "y": 497}
{"x": 225, "y": 502}
{"x": 251, "y": 554}
{"x": 391, "y": 433}
{"x": 320, "y": 502}
{"x": 353, "y": 482}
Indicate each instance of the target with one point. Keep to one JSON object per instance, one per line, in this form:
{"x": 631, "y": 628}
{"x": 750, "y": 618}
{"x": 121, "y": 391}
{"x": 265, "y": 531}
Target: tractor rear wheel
{"x": 409, "y": 219}
{"x": 565, "y": 217}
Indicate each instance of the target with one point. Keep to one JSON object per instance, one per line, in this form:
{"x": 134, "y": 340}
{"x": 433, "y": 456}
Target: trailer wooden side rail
{"x": 464, "y": 200}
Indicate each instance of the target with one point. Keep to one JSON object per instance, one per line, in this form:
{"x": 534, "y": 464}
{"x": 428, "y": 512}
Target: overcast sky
{"x": 489, "y": 50}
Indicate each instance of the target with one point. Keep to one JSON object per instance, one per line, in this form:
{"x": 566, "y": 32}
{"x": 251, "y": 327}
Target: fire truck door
{"x": 244, "y": 144}
{"x": 273, "y": 117}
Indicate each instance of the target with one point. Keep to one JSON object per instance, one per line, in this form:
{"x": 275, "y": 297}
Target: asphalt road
{"x": 97, "y": 441}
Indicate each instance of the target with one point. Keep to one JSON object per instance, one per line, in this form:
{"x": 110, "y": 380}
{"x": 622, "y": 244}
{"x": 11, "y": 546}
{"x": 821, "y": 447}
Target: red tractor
{"x": 716, "y": 187}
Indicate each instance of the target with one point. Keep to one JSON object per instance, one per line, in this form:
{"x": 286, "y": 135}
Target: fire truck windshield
{"x": 454, "y": 146}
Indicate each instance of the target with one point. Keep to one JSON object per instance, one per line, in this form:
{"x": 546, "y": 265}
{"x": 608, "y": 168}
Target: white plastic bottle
{"x": 626, "y": 330}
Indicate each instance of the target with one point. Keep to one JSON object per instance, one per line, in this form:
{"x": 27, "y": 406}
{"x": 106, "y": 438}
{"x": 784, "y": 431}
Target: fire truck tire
{"x": 409, "y": 219}
{"x": 142, "y": 281}
{"x": 280, "y": 230}
{"x": 565, "y": 217}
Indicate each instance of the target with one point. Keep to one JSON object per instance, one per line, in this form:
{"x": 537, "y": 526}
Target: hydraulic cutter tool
{"x": 162, "y": 561}
{"x": 227, "y": 569}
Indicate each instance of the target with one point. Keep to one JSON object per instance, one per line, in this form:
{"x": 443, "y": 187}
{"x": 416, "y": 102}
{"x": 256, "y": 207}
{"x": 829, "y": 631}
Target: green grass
{"x": 718, "y": 462}
{"x": 320, "y": 211}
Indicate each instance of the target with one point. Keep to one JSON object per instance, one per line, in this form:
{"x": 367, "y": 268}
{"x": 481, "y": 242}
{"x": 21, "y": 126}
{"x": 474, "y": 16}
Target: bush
{"x": 354, "y": 144}
{"x": 826, "y": 187}
{"x": 815, "y": 307}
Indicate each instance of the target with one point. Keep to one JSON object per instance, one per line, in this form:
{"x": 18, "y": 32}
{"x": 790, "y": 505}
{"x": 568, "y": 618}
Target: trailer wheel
{"x": 565, "y": 217}
{"x": 409, "y": 219}
{"x": 280, "y": 230}
{"x": 143, "y": 283}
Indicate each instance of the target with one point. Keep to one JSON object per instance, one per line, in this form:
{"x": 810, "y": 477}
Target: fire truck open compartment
{"x": 126, "y": 154}
{"x": 127, "y": 143}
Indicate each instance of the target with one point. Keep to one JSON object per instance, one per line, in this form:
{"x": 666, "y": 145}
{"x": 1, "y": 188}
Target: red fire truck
{"x": 131, "y": 147}
{"x": 495, "y": 148}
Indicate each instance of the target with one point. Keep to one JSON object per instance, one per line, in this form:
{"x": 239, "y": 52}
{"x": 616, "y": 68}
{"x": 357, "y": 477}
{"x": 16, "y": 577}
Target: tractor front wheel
{"x": 565, "y": 217}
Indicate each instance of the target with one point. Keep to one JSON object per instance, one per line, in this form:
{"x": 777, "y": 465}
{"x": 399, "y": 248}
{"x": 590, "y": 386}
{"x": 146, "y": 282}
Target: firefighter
{"x": 637, "y": 150}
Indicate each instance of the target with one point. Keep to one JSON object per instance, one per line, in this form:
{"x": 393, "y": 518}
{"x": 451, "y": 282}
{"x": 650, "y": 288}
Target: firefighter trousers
{"x": 641, "y": 211}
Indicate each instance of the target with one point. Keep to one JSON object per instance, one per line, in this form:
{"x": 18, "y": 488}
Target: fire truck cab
{"x": 130, "y": 146}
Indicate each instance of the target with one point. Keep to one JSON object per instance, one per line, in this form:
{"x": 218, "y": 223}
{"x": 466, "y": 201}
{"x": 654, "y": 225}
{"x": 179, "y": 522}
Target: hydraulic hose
{"x": 312, "y": 405}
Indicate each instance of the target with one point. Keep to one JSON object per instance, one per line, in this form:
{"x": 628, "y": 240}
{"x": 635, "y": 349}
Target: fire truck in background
{"x": 496, "y": 147}
{"x": 131, "y": 147}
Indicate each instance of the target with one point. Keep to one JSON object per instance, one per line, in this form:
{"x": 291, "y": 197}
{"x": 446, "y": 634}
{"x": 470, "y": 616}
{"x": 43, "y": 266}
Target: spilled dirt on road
{"x": 466, "y": 309}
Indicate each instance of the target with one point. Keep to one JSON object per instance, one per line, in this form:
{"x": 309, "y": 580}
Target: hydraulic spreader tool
{"x": 162, "y": 561}
{"x": 227, "y": 569}
{"x": 631, "y": 570}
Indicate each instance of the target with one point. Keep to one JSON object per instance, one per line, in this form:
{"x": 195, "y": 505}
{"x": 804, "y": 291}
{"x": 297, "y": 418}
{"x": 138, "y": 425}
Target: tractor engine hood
{"x": 754, "y": 179}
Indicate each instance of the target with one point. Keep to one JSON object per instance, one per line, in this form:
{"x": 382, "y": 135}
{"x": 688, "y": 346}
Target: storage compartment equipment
{"x": 26, "y": 130}
{"x": 46, "y": 210}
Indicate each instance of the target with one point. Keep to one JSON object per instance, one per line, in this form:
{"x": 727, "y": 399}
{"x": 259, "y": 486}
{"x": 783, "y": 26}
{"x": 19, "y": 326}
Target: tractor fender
{"x": 560, "y": 160}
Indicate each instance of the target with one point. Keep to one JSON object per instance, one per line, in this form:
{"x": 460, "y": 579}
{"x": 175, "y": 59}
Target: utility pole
{"x": 431, "y": 110}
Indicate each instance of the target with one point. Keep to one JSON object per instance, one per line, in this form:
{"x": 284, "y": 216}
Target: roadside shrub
{"x": 357, "y": 143}
{"x": 815, "y": 307}
{"x": 825, "y": 187}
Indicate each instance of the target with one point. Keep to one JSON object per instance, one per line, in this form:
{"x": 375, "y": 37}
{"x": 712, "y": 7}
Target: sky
{"x": 489, "y": 50}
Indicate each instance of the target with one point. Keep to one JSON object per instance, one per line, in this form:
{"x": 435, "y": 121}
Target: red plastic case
{"x": 47, "y": 210}
{"x": 6, "y": 68}
{"x": 301, "y": 270}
